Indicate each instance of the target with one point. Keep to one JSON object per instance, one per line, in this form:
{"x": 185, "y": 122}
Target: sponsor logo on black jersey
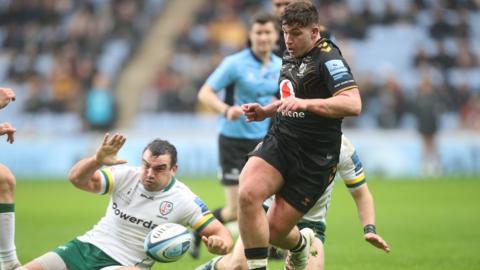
{"x": 292, "y": 114}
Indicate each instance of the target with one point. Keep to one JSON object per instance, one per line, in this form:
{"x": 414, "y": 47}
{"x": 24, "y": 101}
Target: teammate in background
{"x": 298, "y": 157}
{"x": 351, "y": 170}
{"x": 8, "y": 255}
{"x": 253, "y": 74}
{"x": 116, "y": 241}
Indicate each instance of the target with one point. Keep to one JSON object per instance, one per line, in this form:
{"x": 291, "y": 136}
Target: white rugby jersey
{"x": 350, "y": 169}
{"x": 133, "y": 212}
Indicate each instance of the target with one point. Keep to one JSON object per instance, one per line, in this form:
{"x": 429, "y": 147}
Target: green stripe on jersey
{"x": 170, "y": 184}
{"x": 199, "y": 229}
{"x": 107, "y": 182}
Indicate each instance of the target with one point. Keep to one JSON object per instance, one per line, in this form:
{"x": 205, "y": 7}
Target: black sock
{"x": 300, "y": 245}
{"x": 257, "y": 258}
{"x": 217, "y": 213}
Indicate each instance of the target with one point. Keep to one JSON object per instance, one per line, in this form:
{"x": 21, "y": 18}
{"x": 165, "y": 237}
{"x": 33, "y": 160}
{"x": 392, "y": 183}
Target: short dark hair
{"x": 160, "y": 147}
{"x": 263, "y": 18}
{"x": 300, "y": 13}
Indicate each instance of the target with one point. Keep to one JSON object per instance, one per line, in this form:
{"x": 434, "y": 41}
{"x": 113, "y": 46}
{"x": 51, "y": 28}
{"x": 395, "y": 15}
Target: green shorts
{"x": 318, "y": 227}
{"x": 79, "y": 255}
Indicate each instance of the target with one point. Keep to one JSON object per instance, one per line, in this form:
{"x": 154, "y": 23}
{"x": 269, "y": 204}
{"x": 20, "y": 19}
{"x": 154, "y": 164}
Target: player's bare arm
{"x": 345, "y": 103}
{"x": 84, "y": 174}
{"x": 366, "y": 212}
{"x": 257, "y": 112}
{"x": 6, "y": 96}
{"x": 217, "y": 238}
{"x": 7, "y": 129}
{"x": 207, "y": 96}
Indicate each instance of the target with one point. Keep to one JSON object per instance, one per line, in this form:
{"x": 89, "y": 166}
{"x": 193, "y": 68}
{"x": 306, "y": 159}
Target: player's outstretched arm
{"x": 207, "y": 96}
{"x": 84, "y": 174}
{"x": 7, "y": 129}
{"x": 257, "y": 112}
{"x": 217, "y": 238}
{"x": 6, "y": 96}
{"x": 366, "y": 212}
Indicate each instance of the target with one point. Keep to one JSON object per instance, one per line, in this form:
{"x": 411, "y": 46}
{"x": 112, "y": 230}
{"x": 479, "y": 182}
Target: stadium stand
{"x": 51, "y": 51}
{"x": 391, "y": 45}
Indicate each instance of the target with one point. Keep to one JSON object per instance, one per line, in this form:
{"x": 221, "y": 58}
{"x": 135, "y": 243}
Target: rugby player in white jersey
{"x": 8, "y": 255}
{"x": 141, "y": 198}
{"x": 351, "y": 170}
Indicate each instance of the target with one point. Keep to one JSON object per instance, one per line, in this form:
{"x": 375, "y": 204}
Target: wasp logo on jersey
{"x": 324, "y": 47}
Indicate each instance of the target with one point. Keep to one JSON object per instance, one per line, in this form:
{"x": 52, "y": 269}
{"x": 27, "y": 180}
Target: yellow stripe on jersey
{"x": 345, "y": 89}
{"x": 204, "y": 221}
{"x": 108, "y": 181}
{"x": 356, "y": 182}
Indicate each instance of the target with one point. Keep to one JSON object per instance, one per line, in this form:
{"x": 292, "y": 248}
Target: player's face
{"x": 156, "y": 171}
{"x": 299, "y": 40}
{"x": 279, "y": 5}
{"x": 263, "y": 37}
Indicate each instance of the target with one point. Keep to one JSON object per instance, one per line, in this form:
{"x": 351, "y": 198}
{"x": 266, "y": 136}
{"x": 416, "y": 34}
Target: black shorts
{"x": 232, "y": 157}
{"x": 306, "y": 172}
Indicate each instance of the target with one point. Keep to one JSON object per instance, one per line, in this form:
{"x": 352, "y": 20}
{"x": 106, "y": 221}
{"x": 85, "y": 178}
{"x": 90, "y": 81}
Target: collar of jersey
{"x": 258, "y": 59}
{"x": 170, "y": 184}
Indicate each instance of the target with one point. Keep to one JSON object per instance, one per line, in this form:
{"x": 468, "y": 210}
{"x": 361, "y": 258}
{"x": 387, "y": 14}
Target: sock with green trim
{"x": 7, "y": 233}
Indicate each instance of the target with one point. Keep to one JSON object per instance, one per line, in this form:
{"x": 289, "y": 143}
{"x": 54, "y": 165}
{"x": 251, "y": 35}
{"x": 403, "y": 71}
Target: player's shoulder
{"x": 327, "y": 50}
{"x": 187, "y": 197}
{"x": 242, "y": 55}
{"x": 179, "y": 189}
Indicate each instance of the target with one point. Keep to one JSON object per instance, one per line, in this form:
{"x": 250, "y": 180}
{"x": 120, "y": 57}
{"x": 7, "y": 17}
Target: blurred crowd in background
{"x": 415, "y": 61}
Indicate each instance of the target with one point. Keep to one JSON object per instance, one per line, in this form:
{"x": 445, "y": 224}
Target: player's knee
{"x": 247, "y": 197}
{"x": 7, "y": 181}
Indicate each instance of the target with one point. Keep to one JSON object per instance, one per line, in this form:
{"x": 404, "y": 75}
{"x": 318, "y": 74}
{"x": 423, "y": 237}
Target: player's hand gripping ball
{"x": 167, "y": 242}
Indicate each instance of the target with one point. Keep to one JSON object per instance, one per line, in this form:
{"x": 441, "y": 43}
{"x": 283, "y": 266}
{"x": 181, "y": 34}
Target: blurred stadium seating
{"x": 51, "y": 51}
{"x": 54, "y": 53}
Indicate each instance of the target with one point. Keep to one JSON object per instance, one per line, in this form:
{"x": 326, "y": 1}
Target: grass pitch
{"x": 429, "y": 224}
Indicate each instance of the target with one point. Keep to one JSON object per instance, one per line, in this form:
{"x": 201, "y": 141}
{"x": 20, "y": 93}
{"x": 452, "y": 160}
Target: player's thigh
{"x": 7, "y": 180}
{"x": 119, "y": 267}
{"x": 47, "y": 261}
{"x": 259, "y": 179}
{"x": 317, "y": 262}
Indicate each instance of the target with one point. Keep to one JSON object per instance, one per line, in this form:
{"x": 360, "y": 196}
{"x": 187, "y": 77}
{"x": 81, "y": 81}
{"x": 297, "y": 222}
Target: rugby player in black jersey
{"x": 297, "y": 159}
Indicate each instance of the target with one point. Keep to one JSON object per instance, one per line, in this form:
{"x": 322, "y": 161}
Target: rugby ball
{"x": 167, "y": 242}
